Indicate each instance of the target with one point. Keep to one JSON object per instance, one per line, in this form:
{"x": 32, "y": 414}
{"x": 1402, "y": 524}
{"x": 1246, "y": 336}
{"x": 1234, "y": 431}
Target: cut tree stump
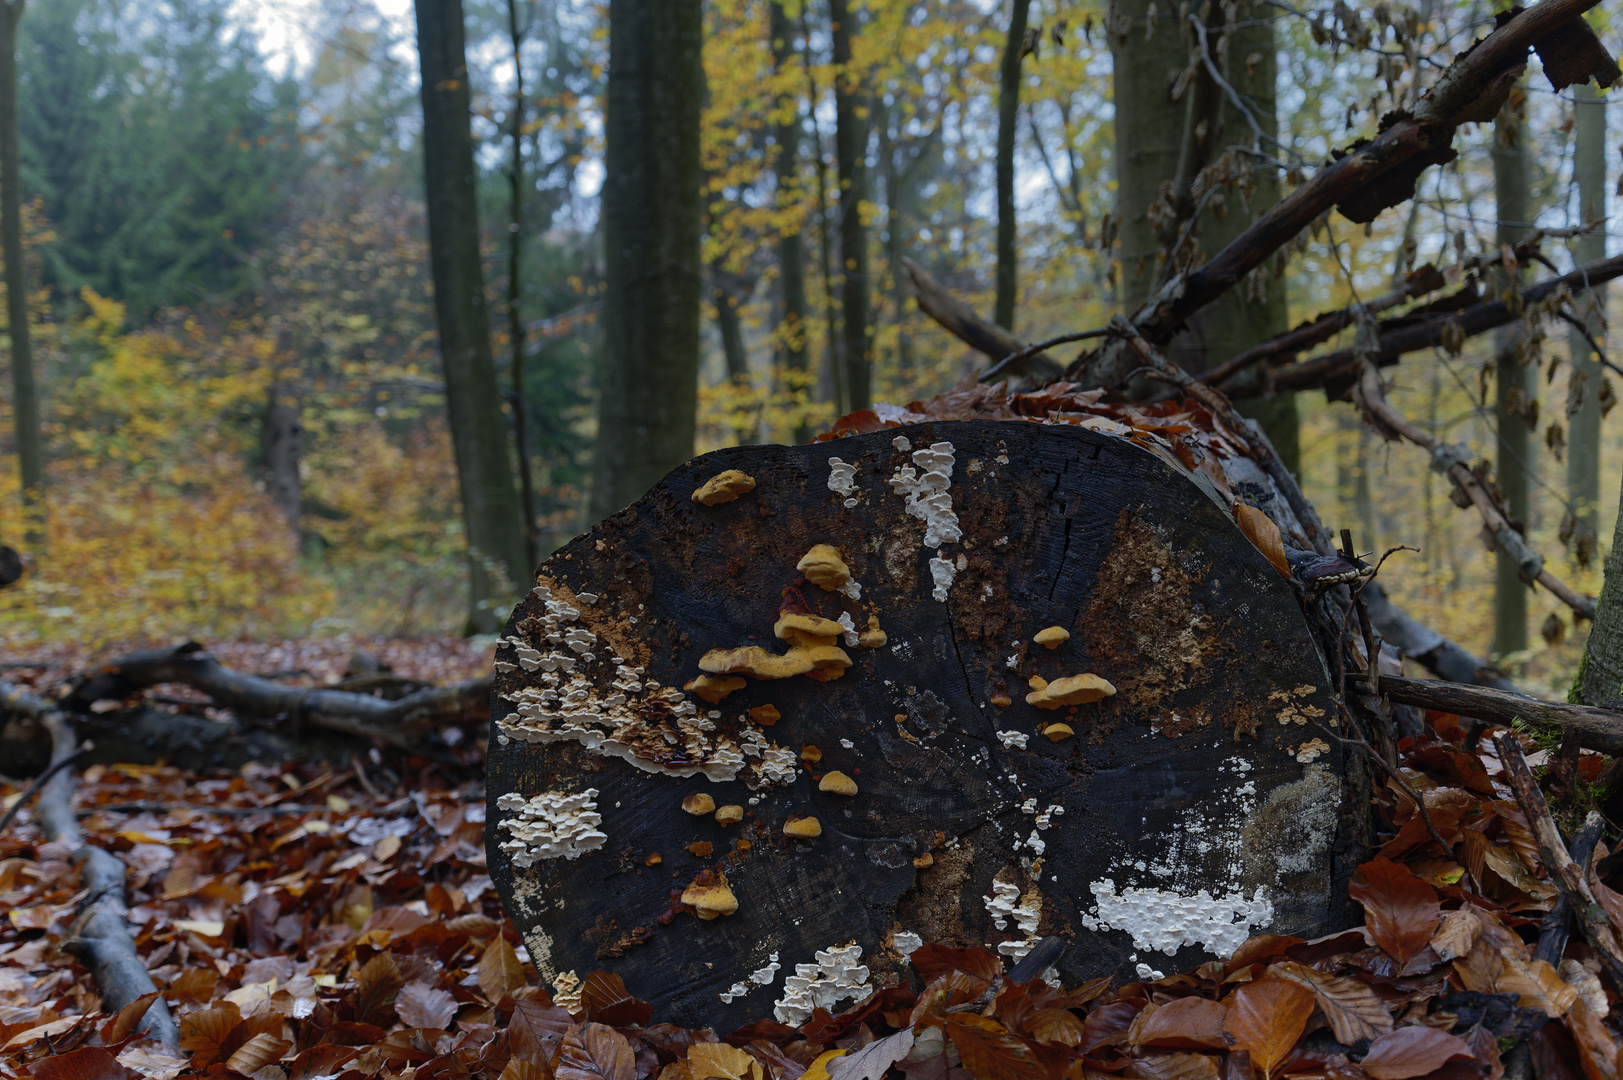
{"x": 1201, "y": 803}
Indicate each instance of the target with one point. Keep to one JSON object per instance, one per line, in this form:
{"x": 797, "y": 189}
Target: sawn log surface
{"x": 1200, "y": 804}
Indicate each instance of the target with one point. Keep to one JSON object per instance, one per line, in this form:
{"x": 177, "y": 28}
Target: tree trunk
{"x": 1161, "y": 826}
{"x": 1516, "y": 382}
{"x": 1583, "y": 424}
{"x": 1600, "y": 675}
{"x": 791, "y": 333}
{"x": 1161, "y": 145}
{"x": 651, "y": 206}
{"x": 284, "y": 433}
{"x": 490, "y": 507}
{"x": 1008, "y": 115}
{"x": 25, "y": 396}
{"x": 728, "y": 292}
{"x": 851, "y": 153}
{"x": 515, "y": 313}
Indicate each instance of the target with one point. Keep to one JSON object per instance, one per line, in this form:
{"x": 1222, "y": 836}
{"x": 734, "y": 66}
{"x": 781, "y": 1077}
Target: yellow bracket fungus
{"x": 808, "y": 630}
{"x": 837, "y": 783}
{"x": 765, "y": 715}
{"x": 873, "y": 637}
{"x": 1072, "y": 690}
{"x": 723, "y": 488}
{"x": 698, "y": 805}
{"x": 709, "y": 895}
{"x": 712, "y": 688}
{"x": 729, "y": 815}
{"x": 1053, "y": 637}
{"x": 823, "y": 566}
{"x": 803, "y": 827}
{"x": 1056, "y": 732}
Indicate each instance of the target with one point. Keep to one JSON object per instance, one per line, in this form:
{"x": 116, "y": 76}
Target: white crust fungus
{"x": 834, "y": 977}
{"x": 943, "y": 572}
{"x": 553, "y": 824}
{"x": 1165, "y": 921}
{"x": 761, "y": 976}
{"x": 841, "y": 477}
{"x": 927, "y": 493}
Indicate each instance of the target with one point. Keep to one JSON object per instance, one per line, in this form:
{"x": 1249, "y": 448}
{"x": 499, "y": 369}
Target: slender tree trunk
{"x": 831, "y": 383}
{"x": 1516, "y": 382}
{"x": 490, "y": 506}
{"x": 728, "y": 293}
{"x": 1161, "y": 146}
{"x": 284, "y": 431}
{"x": 850, "y": 152}
{"x": 791, "y": 334}
{"x": 515, "y": 314}
{"x": 652, "y": 210}
{"x": 1583, "y": 426}
{"x": 1008, "y": 115}
{"x": 897, "y": 187}
{"x": 25, "y": 396}
{"x": 1600, "y": 675}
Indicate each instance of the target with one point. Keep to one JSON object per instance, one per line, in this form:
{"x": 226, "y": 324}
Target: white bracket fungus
{"x": 835, "y": 976}
{"x": 1165, "y": 921}
{"x": 761, "y": 976}
{"x": 551, "y": 825}
{"x": 927, "y": 493}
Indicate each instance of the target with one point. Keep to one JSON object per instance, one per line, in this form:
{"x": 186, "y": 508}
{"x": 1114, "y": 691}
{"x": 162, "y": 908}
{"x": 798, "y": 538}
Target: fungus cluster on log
{"x": 1098, "y": 594}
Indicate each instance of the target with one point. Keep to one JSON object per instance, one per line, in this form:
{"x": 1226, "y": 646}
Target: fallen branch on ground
{"x": 1440, "y": 656}
{"x": 1567, "y": 875}
{"x": 101, "y": 931}
{"x": 1596, "y": 729}
{"x": 404, "y": 723}
{"x": 1451, "y": 461}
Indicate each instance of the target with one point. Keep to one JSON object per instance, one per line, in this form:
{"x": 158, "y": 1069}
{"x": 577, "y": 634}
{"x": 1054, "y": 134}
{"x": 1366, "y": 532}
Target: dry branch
{"x": 100, "y": 936}
{"x": 1595, "y": 729}
{"x": 1370, "y": 176}
{"x": 403, "y": 723}
{"x": 1443, "y": 658}
{"x": 1407, "y": 335}
{"x": 960, "y": 320}
{"x": 1451, "y": 462}
{"x": 1564, "y": 872}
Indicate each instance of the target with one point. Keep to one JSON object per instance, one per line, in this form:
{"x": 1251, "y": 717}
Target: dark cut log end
{"x": 1200, "y": 803}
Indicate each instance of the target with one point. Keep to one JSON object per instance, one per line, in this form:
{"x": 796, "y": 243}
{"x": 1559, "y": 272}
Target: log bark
{"x": 403, "y": 723}
{"x": 1206, "y": 776}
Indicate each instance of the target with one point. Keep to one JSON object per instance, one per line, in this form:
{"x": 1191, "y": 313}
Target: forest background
{"x": 224, "y": 238}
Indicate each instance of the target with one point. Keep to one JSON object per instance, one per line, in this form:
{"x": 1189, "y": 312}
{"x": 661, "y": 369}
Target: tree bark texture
{"x": 1600, "y": 675}
{"x": 791, "y": 334}
{"x": 1008, "y": 121}
{"x": 1204, "y": 777}
{"x": 851, "y": 164}
{"x": 1516, "y": 383}
{"x": 25, "y": 394}
{"x": 651, "y": 205}
{"x": 1161, "y": 141}
{"x": 1583, "y": 425}
{"x": 490, "y": 509}
{"x": 284, "y": 432}
{"x": 515, "y": 313}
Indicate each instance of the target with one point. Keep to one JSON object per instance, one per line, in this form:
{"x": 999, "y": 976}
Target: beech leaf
{"x": 1412, "y": 1051}
{"x": 205, "y": 1033}
{"x": 1177, "y": 1065}
{"x": 606, "y": 1000}
{"x": 256, "y": 1053}
{"x": 500, "y": 972}
{"x": 1353, "y": 1009}
{"x": 934, "y": 961}
{"x": 594, "y": 1052}
{"x": 1187, "y": 1023}
{"x": 422, "y": 1006}
{"x": 88, "y": 1063}
{"x": 1266, "y": 1017}
{"x": 127, "y": 1019}
{"x": 1400, "y": 910}
{"x": 873, "y": 1061}
{"x": 990, "y": 1052}
{"x": 377, "y": 985}
{"x": 1260, "y": 529}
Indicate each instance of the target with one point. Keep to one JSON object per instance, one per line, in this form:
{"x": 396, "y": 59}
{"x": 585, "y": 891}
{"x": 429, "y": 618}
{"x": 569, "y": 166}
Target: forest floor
{"x": 319, "y": 921}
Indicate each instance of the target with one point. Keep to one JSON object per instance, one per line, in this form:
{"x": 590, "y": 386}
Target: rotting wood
{"x": 100, "y": 935}
{"x": 1217, "y": 681}
{"x": 404, "y": 723}
{"x": 1596, "y": 729}
{"x": 1452, "y": 462}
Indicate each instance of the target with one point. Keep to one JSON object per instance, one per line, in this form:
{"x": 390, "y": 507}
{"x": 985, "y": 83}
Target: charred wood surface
{"x": 1199, "y": 804}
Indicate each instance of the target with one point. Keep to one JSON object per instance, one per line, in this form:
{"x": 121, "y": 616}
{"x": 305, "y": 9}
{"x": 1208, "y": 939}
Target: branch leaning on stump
{"x": 403, "y": 723}
{"x": 1596, "y": 729}
{"x": 100, "y": 937}
{"x": 1370, "y": 396}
